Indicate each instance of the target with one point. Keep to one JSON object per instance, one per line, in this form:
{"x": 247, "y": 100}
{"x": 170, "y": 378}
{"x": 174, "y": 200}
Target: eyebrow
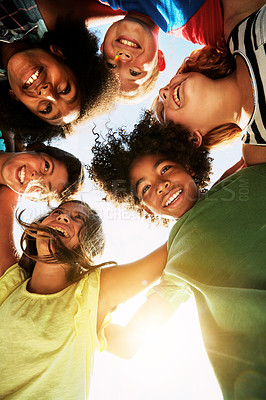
{"x": 49, "y": 184}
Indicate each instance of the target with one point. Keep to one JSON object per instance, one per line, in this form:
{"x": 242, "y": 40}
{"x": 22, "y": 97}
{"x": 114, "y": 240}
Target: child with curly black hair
{"x": 216, "y": 251}
{"x": 156, "y": 168}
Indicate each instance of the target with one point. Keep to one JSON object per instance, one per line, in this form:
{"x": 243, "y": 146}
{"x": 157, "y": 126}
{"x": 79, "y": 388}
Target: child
{"x": 53, "y": 303}
{"x": 126, "y": 45}
{"x": 191, "y": 97}
{"x": 216, "y": 251}
{"x": 198, "y": 21}
{"x": 49, "y": 64}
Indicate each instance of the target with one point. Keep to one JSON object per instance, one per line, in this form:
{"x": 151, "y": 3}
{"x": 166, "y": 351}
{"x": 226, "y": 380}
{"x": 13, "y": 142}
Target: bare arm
{"x": 126, "y": 341}
{"x": 253, "y": 154}
{"x": 91, "y": 11}
{"x": 8, "y": 201}
{"x": 234, "y": 11}
{"x": 119, "y": 283}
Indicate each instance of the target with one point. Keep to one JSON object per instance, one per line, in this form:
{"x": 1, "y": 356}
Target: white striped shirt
{"x": 248, "y": 39}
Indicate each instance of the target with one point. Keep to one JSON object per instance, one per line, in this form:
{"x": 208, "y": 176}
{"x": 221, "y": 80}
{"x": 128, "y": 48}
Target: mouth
{"x": 60, "y": 230}
{"x": 176, "y": 95}
{"x": 32, "y": 78}
{"x": 22, "y": 174}
{"x": 173, "y": 198}
{"x": 128, "y": 43}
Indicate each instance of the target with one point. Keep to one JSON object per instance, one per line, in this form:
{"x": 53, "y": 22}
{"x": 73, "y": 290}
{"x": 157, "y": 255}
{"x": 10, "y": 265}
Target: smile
{"x": 128, "y": 43}
{"x": 32, "y": 78}
{"x": 60, "y": 230}
{"x": 22, "y": 174}
{"x": 176, "y": 95}
{"x": 173, "y": 198}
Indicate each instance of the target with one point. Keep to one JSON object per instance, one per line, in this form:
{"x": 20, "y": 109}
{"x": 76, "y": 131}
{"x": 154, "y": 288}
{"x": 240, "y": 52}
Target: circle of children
{"x": 56, "y": 298}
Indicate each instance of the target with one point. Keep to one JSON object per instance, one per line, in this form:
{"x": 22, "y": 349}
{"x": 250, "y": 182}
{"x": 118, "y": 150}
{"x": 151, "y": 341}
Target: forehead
{"x": 72, "y": 206}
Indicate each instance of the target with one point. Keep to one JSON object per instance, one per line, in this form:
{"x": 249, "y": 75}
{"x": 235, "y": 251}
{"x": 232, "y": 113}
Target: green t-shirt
{"x": 217, "y": 253}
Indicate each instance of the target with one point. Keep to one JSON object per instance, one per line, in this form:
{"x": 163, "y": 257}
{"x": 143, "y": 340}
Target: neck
{"x": 4, "y": 156}
{"x": 144, "y": 20}
{"x": 9, "y": 49}
{"x": 48, "y": 278}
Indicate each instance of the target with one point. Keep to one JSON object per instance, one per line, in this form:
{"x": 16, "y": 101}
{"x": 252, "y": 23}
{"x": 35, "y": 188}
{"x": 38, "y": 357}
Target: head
{"x": 130, "y": 48}
{"x": 43, "y": 172}
{"x": 156, "y": 168}
{"x": 73, "y": 235}
{"x": 190, "y": 98}
{"x": 57, "y": 83}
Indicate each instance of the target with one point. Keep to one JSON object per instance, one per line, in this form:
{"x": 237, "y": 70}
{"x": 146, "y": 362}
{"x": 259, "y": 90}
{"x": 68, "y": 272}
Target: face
{"x": 34, "y": 169}
{"x": 45, "y": 85}
{"x": 130, "y": 48}
{"x": 67, "y": 220}
{"x": 163, "y": 186}
{"x": 188, "y": 100}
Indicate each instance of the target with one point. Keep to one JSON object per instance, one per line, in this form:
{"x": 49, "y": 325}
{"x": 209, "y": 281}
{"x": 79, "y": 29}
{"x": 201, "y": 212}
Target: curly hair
{"x": 215, "y": 63}
{"x": 80, "y": 257}
{"x": 112, "y": 159}
{"x": 99, "y": 88}
{"x": 73, "y": 166}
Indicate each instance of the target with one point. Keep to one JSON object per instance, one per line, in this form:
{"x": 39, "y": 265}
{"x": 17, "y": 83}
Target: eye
{"x": 57, "y": 211}
{"x": 80, "y": 217}
{"x": 66, "y": 90}
{"x": 111, "y": 66}
{"x": 47, "y": 110}
{"x": 46, "y": 166}
{"x": 145, "y": 189}
{"x": 134, "y": 73}
{"x": 165, "y": 169}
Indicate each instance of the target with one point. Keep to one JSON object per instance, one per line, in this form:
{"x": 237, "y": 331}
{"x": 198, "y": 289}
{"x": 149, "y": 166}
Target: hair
{"x": 80, "y": 257}
{"x": 215, "y": 63}
{"x": 73, "y": 166}
{"x": 142, "y": 91}
{"x": 112, "y": 159}
{"x": 97, "y": 84}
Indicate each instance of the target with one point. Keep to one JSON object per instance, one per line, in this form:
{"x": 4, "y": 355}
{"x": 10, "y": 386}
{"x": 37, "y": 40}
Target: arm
{"x": 119, "y": 283}
{"x": 8, "y": 201}
{"x": 235, "y": 11}
{"x": 126, "y": 341}
{"x": 253, "y": 154}
{"x": 91, "y": 11}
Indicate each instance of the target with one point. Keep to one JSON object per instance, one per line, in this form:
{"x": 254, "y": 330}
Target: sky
{"x": 173, "y": 365}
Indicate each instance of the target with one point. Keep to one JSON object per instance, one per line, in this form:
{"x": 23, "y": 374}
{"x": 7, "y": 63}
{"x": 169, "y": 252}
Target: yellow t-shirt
{"x": 47, "y": 341}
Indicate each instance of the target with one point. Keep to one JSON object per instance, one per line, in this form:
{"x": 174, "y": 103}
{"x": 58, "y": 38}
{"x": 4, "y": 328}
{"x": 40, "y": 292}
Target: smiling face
{"x": 189, "y": 100}
{"x": 45, "y": 85}
{"x": 130, "y": 48}
{"x": 20, "y": 169}
{"x": 163, "y": 186}
{"x": 67, "y": 220}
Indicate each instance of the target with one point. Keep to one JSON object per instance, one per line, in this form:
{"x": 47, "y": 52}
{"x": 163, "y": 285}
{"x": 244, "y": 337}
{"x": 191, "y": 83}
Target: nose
{"x": 63, "y": 218}
{"x": 162, "y": 186}
{"x": 46, "y": 91}
{"x": 163, "y": 93}
{"x": 123, "y": 55}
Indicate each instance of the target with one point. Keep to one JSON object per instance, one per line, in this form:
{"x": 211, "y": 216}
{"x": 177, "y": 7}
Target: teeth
{"x": 21, "y": 175}
{"x": 64, "y": 233}
{"x": 172, "y": 198}
{"x": 32, "y": 78}
{"x": 128, "y": 43}
{"x": 176, "y": 96}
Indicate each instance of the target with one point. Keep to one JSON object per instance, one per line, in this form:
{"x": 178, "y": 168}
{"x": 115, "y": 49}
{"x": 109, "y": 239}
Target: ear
{"x": 13, "y": 96}
{"x": 196, "y": 138}
{"x": 101, "y": 47}
{"x": 57, "y": 51}
{"x": 161, "y": 61}
{"x": 145, "y": 208}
